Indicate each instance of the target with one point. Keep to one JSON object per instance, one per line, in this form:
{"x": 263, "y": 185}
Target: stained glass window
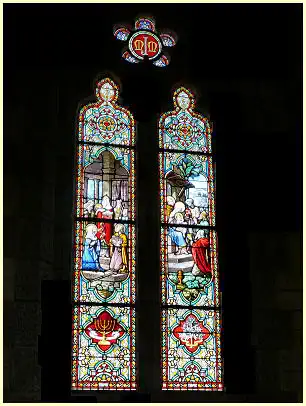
{"x": 190, "y": 297}
{"x": 103, "y": 353}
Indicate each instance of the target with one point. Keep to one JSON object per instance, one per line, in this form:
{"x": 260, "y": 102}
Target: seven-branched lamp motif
{"x": 104, "y": 331}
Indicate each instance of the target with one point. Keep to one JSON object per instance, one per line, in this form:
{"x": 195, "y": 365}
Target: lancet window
{"x": 190, "y": 313}
{"x": 104, "y": 287}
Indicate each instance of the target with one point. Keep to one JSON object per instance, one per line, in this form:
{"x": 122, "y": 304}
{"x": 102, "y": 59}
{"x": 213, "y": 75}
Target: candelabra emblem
{"x": 104, "y": 330}
{"x": 104, "y": 327}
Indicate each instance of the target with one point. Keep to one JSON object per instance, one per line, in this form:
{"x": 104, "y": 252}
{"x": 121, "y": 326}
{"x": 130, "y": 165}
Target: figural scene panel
{"x": 189, "y": 266}
{"x": 105, "y": 183}
{"x": 103, "y": 355}
{"x": 104, "y": 264}
{"x": 187, "y": 189}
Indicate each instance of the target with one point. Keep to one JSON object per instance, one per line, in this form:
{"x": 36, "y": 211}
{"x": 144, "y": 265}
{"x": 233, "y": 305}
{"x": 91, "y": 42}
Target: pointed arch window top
{"x": 145, "y": 42}
{"x": 183, "y": 128}
{"x": 183, "y": 99}
{"x": 107, "y": 91}
{"x": 104, "y": 256}
{"x": 106, "y": 121}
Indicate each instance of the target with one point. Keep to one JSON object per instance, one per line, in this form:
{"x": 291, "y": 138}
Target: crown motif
{"x": 144, "y": 42}
{"x": 152, "y": 46}
{"x": 139, "y": 45}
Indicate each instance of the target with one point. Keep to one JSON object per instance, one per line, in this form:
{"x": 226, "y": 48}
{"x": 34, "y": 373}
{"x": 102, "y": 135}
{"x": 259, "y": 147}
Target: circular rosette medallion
{"x": 144, "y": 43}
{"x": 107, "y": 126}
{"x": 185, "y": 134}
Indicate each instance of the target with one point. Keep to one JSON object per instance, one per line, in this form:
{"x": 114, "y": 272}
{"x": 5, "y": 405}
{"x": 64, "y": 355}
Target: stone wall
{"x": 29, "y": 168}
{"x": 276, "y": 275}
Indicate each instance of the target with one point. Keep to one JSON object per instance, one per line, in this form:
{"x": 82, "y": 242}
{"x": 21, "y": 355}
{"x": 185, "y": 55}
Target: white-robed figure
{"x": 88, "y": 208}
{"x": 192, "y": 214}
{"x": 177, "y": 234}
{"x": 107, "y": 212}
{"x": 90, "y": 259}
{"x": 118, "y": 210}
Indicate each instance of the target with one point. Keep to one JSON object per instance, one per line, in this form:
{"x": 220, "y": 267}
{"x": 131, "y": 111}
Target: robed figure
{"x": 118, "y": 249}
{"x": 104, "y": 211}
{"x": 90, "y": 259}
{"x": 200, "y": 254}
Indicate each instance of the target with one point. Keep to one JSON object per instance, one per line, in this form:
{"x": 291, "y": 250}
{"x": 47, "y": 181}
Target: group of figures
{"x": 105, "y": 246}
{"x": 106, "y": 210}
{"x": 184, "y": 237}
{"x": 188, "y": 253}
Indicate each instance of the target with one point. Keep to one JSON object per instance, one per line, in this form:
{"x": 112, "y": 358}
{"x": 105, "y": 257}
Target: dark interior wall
{"x": 275, "y": 271}
{"x": 29, "y": 209}
{"x": 257, "y": 121}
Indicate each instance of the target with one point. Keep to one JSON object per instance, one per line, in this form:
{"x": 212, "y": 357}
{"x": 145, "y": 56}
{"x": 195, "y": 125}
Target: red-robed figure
{"x": 200, "y": 254}
{"x": 104, "y": 211}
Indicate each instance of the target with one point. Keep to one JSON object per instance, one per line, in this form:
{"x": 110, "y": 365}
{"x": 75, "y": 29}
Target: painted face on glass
{"x": 183, "y": 100}
{"x": 107, "y": 91}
